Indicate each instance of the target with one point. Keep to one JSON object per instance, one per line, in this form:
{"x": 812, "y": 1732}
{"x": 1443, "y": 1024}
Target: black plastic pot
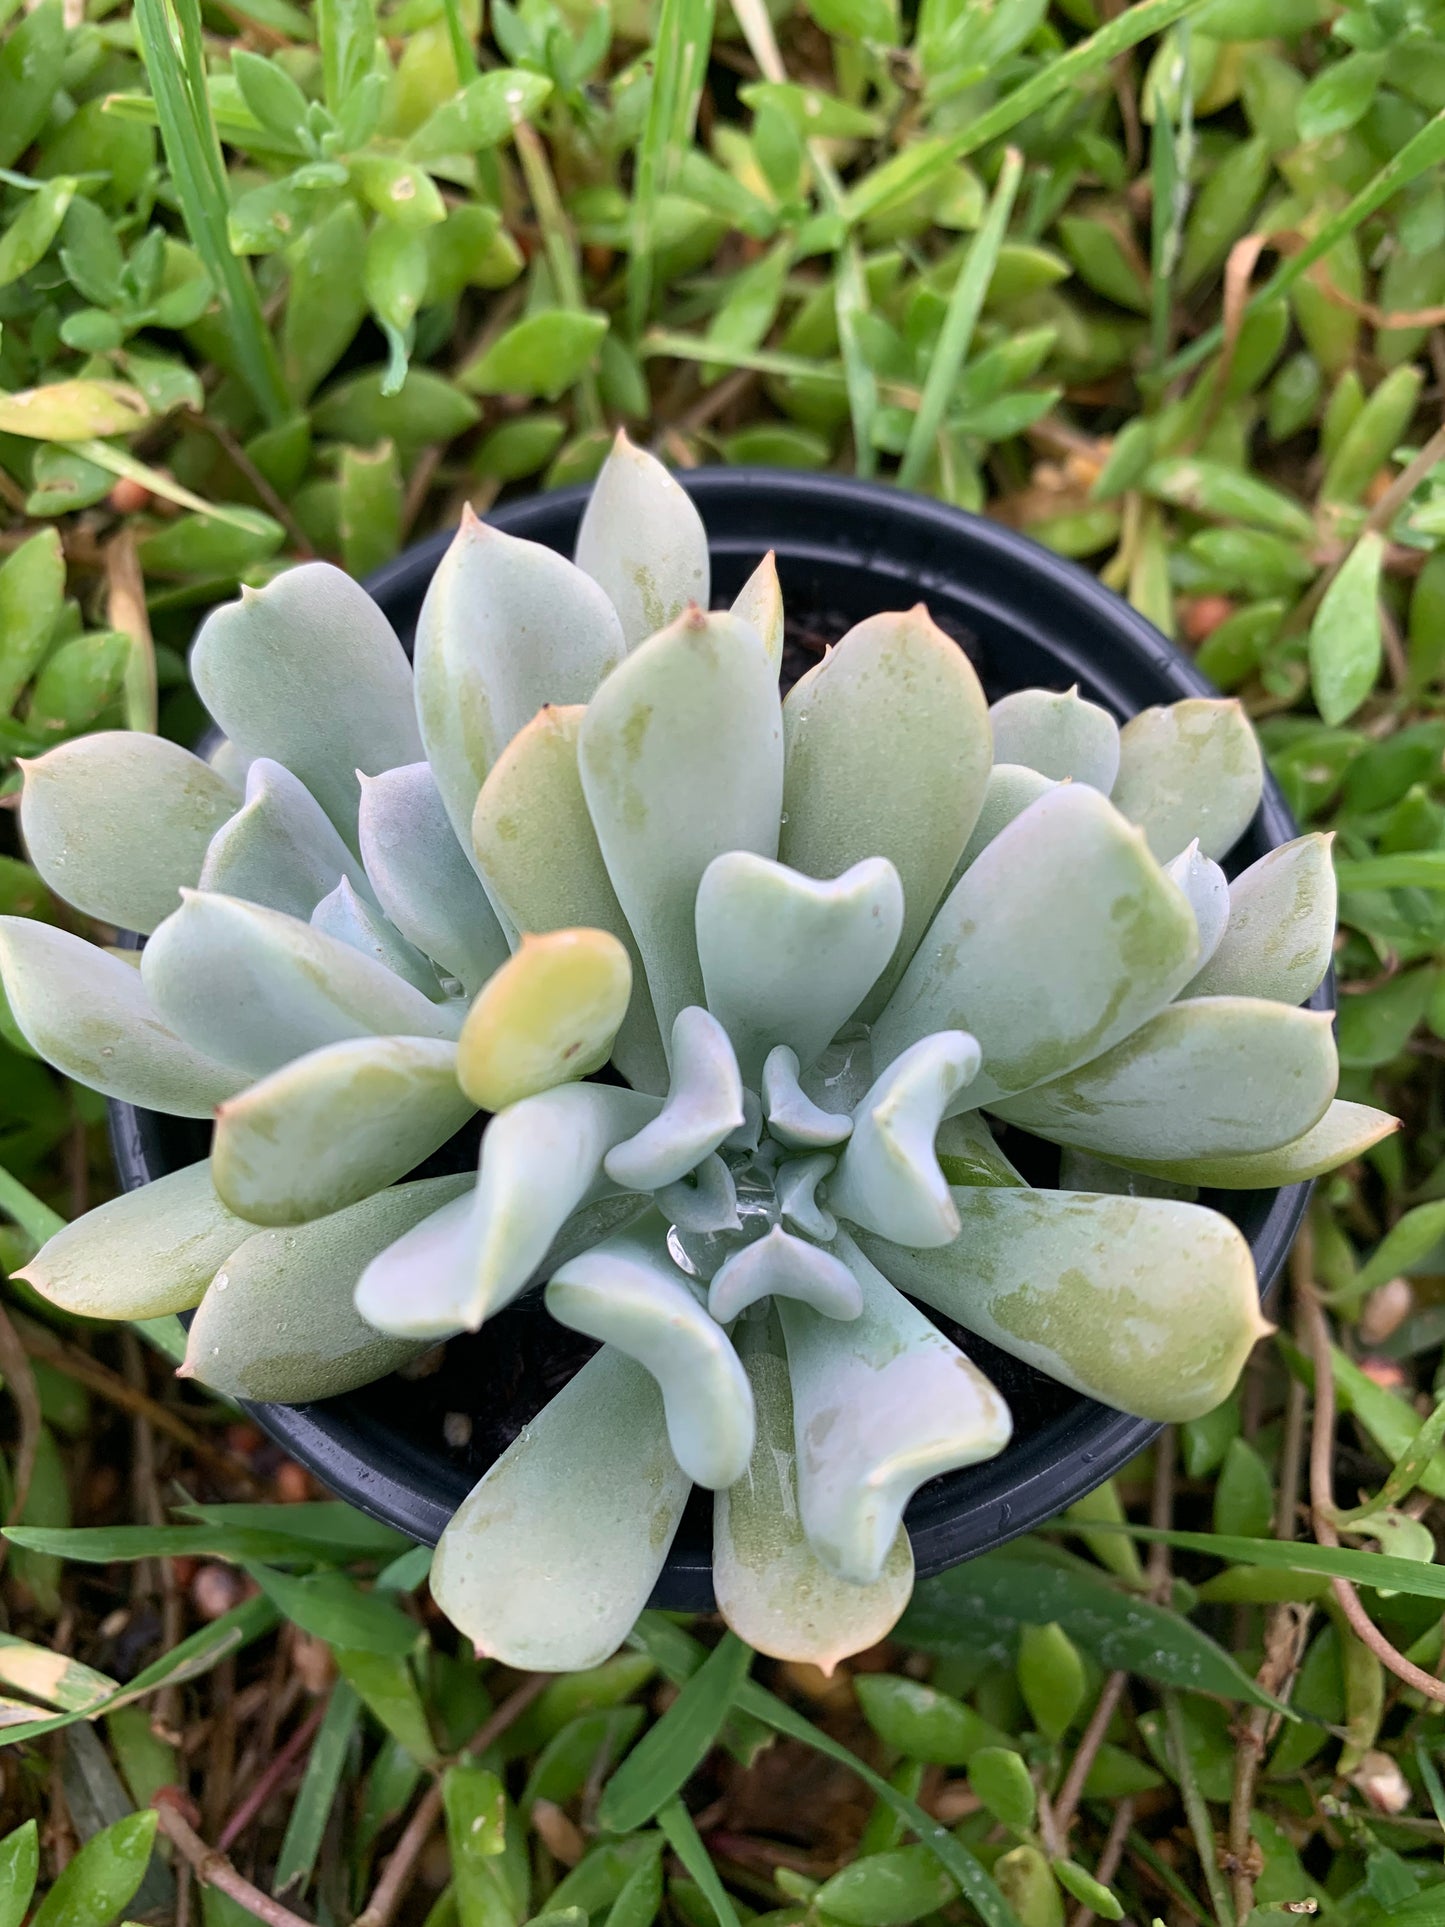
{"x": 845, "y": 550}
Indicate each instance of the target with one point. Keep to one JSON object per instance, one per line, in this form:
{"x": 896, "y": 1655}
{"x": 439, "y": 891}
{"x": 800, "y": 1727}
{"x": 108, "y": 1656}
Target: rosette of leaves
{"x": 740, "y": 982}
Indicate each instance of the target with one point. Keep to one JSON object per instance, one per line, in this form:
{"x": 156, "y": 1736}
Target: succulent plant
{"x": 741, "y": 982}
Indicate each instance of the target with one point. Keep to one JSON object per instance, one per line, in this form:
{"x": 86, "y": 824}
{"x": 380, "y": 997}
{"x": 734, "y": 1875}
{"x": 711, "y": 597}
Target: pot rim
{"x": 1081, "y": 1447}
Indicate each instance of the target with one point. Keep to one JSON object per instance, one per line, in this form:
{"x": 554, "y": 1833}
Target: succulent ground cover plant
{"x": 741, "y": 983}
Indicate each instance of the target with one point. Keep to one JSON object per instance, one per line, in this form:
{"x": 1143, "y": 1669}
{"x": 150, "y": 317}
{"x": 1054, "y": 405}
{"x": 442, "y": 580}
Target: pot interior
{"x": 410, "y": 1448}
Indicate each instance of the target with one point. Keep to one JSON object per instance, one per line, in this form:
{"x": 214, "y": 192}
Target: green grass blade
{"x": 686, "y": 1843}
{"x": 170, "y": 43}
{"x": 679, "y": 1655}
{"x": 679, "y": 66}
{"x": 1294, "y": 1555}
{"x": 34, "y": 1218}
{"x": 1054, "y": 77}
{"x": 956, "y": 336}
{"x": 317, "y": 1796}
{"x": 671, "y": 1752}
{"x": 1422, "y": 152}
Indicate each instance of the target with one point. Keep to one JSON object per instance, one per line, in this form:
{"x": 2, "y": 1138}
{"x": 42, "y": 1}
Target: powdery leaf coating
{"x": 280, "y": 849}
{"x": 929, "y": 1411}
{"x": 642, "y": 540}
{"x": 540, "y": 1160}
{"x": 506, "y": 627}
{"x": 1060, "y": 940}
{"x": 257, "y": 988}
{"x": 537, "y": 853}
{"x": 1011, "y": 788}
{"x": 423, "y": 878}
{"x": 681, "y": 754}
{"x": 309, "y": 671}
{"x": 1061, "y": 736}
{"x": 628, "y": 1292}
{"x": 782, "y": 1266}
{"x": 278, "y": 1321}
{"x": 1207, "y": 889}
{"x": 547, "y": 1017}
{"x": 549, "y": 1560}
{"x": 355, "y": 921}
{"x": 142, "y": 1255}
{"x": 888, "y": 1177}
{"x": 704, "y": 1106}
{"x": 1281, "y": 931}
{"x": 771, "y": 1587}
{"x": 787, "y": 959}
{"x": 1345, "y": 1131}
{"x": 91, "y": 1016}
{"x": 78, "y": 813}
{"x": 888, "y": 754}
{"x": 760, "y": 604}
{"x": 792, "y": 1117}
{"x": 1145, "y": 1304}
{"x": 1190, "y": 769}
{"x": 1211, "y": 1077}
{"x": 329, "y": 1128}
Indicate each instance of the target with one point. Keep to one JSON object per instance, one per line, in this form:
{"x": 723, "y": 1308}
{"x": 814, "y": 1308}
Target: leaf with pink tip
{"x": 356, "y": 922}
{"x": 888, "y": 755}
{"x": 681, "y": 754}
{"x": 1063, "y": 737}
{"x": 1207, "y": 889}
{"x": 643, "y": 542}
{"x": 507, "y": 626}
{"x": 760, "y": 604}
{"x": 1211, "y": 1077}
{"x": 537, "y": 852}
{"x": 277, "y": 1321}
{"x": 1281, "y": 930}
{"x": 146, "y": 1254}
{"x": 1346, "y": 1131}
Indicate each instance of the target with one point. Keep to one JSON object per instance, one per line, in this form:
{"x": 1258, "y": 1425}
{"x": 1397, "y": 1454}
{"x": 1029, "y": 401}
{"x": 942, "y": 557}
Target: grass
{"x": 1002, "y": 280}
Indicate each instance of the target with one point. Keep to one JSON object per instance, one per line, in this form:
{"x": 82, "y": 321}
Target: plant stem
{"x": 213, "y": 1869}
{"x": 965, "y": 304}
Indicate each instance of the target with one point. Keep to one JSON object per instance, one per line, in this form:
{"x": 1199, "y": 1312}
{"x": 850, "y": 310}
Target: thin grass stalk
{"x": 955, "y": 338}
{"x": 679, "y": 66}
{"x": 560, "y": 246}
{"x": 850, "y": 285}
{"x": 463, "y": 52}
{"x": 1056, "y": 77}
{"x": 171, "y": 47}
{"x": 1422, "y": 152}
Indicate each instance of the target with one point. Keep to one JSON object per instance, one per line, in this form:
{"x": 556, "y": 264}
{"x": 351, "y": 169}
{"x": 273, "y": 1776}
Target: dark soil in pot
{"x": 409, "y": 1449}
